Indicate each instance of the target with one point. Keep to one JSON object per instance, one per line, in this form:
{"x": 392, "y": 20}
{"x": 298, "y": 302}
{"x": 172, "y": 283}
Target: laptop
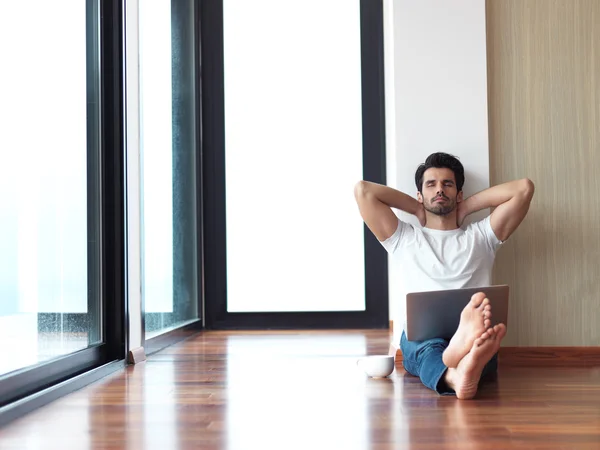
{"x": 436, "y": 314}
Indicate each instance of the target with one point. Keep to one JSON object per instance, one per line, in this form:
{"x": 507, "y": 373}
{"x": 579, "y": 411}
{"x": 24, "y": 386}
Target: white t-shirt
{"x": 432, "y": 260}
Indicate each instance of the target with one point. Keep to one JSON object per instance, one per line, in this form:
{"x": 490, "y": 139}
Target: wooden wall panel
{"x": 544, "y": 123}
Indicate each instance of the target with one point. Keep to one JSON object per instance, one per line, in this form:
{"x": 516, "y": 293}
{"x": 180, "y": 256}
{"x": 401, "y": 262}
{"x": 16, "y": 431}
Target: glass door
{"x": 293, "y": 152}
{"x": 61, "y": 287}
{"x": 293, "y": 118}
{"x": 169, "y": 158}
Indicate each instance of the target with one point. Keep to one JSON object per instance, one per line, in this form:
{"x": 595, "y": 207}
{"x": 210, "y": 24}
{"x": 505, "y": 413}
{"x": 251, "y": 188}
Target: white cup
{"x": 377, "y": 366}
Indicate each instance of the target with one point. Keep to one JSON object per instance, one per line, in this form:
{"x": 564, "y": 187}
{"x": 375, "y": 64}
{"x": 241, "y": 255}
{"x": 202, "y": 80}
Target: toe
{"x": 500, "y": 330}
{"x": 477, "y": 299}
{"x": 487, "y": 323}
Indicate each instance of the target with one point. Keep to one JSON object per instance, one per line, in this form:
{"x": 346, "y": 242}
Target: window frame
{"x": 28, "y": 388}
{"x": 376, "y": 313}
{"x": 190, "y": 327}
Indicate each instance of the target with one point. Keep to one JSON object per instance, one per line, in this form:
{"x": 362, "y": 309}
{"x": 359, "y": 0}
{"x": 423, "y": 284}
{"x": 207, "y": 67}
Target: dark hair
{"x": 441, "y": 160}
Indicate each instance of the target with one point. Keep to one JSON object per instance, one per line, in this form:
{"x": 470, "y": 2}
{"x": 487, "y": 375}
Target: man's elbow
{"x": 360, "y": 189}
{"x": 527, "y": 188}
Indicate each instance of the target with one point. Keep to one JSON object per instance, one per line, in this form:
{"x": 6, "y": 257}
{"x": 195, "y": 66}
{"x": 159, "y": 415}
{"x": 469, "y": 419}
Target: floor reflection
{"x": 296, "y": 391}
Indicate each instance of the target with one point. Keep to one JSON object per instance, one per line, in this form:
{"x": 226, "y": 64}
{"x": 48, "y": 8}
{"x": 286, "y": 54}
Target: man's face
{"x": 439, "y": 194}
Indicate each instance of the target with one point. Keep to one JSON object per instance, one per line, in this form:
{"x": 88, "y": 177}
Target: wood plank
{"x": 550, "y": 356}
{"x": 302, "y": 389}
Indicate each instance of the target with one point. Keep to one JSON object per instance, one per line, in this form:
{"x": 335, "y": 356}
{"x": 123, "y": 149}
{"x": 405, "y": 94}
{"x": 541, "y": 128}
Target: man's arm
{"x": 511, "y": 201}
{"x": 375, "y": 202}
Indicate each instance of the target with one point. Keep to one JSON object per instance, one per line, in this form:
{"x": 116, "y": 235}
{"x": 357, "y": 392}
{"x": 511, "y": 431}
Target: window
{"x": 293, "y": 117}
{"x": 168, "y": 164}
{"x": 291, "y": 165}
{"x": 58, "y": 138}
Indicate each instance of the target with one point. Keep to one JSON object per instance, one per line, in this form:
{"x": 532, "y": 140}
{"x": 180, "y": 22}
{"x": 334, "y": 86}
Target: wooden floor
{"x": 302, "y": 390}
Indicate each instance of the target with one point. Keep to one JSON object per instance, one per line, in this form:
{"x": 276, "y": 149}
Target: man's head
{"x": 439, "y": 183}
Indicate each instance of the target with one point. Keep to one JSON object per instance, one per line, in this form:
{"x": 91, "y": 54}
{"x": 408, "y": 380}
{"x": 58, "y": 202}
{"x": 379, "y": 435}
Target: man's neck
{"x": 435, "y": 222}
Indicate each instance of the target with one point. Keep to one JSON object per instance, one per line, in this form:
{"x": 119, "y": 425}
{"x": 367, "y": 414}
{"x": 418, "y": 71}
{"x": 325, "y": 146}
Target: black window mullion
{"x": 113, "y": 179}
{"x": 374, "y": 152}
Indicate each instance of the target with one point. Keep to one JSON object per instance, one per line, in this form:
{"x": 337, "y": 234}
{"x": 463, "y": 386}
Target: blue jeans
{"x": 423, "y": 359}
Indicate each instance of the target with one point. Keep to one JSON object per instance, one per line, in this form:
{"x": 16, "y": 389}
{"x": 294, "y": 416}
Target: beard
{"x": 441, "y": 209}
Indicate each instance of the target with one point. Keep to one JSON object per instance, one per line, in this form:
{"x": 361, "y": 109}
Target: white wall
{"x": 436, "y": 95}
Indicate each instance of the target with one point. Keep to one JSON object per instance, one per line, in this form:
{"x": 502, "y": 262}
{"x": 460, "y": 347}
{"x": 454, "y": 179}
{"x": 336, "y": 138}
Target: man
{"x": 442, "y": 255}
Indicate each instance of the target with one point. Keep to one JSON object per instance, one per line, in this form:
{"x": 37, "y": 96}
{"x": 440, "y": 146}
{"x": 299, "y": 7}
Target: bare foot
{"x": 474, "y": 320}
{"x": 465, "y": 378}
